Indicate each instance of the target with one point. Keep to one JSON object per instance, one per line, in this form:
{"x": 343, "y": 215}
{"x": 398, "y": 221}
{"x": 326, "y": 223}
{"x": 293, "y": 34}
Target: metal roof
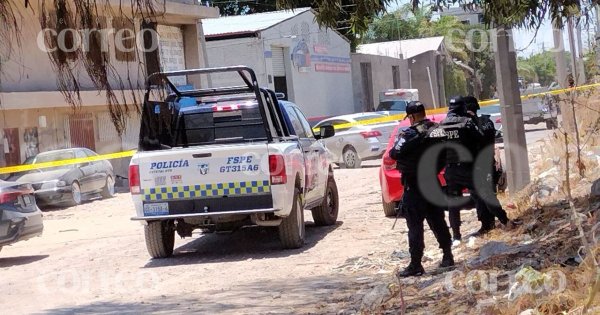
{"x": 250, "y": 23}
{"x": 408, "y": 48}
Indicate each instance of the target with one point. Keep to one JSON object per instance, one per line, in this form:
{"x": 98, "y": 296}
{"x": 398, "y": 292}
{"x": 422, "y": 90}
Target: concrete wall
{"x": 318, "y": 93}
{"x": 233, "y": 52}
{"x": 28, "y": 67}
{"x": 382, "y": 77}
{"x": 420, "y": 79}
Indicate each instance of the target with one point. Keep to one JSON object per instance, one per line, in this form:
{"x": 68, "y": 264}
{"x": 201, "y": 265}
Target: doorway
{"x": 81, "y": 128}
{"x": 12, "y": 156}
{"x": 279, "y": 76}
{"x": 367, "y": 86}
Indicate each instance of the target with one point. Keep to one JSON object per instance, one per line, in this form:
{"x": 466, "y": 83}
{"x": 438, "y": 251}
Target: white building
{"x": 290, "y": 53}
{"x": 34, "y": 115}
{"x": 465, "y": 15}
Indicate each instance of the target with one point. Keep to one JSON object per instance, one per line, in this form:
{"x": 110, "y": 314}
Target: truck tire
{"x": 327, "y": 212}
{"x": 551, "y": 124}
{"x": 388, "y": 208}
{"x": 291, "y": 229}
{"x": 351, "y": 158}
{"x": 160, "y": 238}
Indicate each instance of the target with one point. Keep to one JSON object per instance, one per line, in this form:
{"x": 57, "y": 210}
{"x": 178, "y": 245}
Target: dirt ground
{"x": 92, "y": 259}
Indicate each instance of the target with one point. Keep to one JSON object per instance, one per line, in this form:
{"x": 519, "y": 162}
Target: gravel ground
{"x": 92, "y": 259}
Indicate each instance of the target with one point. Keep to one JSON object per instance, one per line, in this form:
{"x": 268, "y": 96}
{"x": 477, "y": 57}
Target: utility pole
{"x": 515, "y": 145}
{"x": 574, "y": 67}
{"x": 559, "y": 55}
{"x": 597, "y": 41}
{"x": 580, "y": 63}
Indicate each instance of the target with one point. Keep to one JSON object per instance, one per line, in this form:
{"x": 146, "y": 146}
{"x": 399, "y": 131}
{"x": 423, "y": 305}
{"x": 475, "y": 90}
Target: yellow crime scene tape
{"x": 122, "y": 154}
{"x": 28, "y": 167}
{"x": 445, "y": 109}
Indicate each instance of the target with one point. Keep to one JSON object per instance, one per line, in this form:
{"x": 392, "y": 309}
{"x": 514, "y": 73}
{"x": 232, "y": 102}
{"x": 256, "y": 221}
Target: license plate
{"x": 154, "y": 209}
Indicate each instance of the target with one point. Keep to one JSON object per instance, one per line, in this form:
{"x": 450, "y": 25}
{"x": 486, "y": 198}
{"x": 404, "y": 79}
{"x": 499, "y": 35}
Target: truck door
{"x": 310, "y": 150}
{"x": 319, "y": 162}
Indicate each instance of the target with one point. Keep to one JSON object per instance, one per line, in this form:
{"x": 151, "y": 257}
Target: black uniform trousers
{"x": 481, "y": 187}
{"x": 418, "y": 209}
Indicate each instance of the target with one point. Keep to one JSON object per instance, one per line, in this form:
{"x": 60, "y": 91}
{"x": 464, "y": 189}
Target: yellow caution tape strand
{"x": 101, "y": 157}
{"x": 445, "y": 109}
{"x": 391, "y": 118}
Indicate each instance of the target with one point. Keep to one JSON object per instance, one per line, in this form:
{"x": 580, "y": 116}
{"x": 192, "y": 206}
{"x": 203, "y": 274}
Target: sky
{"x": 528, "y": 42}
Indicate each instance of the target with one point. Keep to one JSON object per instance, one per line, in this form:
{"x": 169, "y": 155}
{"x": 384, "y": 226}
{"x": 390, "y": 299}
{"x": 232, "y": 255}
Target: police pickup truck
{"x": 221, "y": 158}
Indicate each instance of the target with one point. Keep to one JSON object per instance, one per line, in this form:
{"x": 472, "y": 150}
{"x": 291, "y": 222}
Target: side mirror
{"x": 326, "y": 132}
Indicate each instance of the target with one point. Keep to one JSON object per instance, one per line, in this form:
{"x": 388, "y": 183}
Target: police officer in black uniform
{"x": 488, "y": 206}
{"x": 464, "y": 142}
{"x": 408, "y": 151}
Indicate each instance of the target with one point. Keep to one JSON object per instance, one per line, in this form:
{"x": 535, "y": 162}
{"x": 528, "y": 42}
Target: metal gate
{"x": 278, "y": 62}
{"x": 81, "y": 129}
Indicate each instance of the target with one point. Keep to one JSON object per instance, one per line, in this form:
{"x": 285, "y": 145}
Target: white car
{"x": 358, "y": 137}
{"x": 234, "y": 157}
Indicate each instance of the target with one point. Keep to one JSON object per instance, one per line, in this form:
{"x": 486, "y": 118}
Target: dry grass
{"x": 548, "y": 222}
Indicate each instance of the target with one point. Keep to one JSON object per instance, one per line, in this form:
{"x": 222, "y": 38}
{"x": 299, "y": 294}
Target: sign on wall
{"x": 172, "y": 56}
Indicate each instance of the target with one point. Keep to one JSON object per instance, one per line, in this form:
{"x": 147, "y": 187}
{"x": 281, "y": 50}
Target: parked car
{"x": 68, "y": 184}
{"x": 353, "y": 144}
{"x": 20, "y": 217}
{"x": 389, "y": 177}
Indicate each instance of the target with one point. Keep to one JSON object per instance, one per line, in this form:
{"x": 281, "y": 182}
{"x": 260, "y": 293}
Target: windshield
{"x": 490, "y": 110}
{"x": 54, "y": 156}
{"x": 399, "y": 105}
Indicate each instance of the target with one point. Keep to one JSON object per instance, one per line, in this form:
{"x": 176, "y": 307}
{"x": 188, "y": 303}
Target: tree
{"x": 475, "y": 62}
{"x": 540, "y": 67}
{"x": 357, "y": 14}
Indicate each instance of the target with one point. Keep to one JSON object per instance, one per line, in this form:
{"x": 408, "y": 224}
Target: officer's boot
{"x": 447, "y": 259}
{"x": 414, "y": 269}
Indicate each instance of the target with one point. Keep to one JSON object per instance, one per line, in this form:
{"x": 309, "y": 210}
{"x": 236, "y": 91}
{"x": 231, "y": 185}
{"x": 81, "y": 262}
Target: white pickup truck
{"x": 221, "y": 158}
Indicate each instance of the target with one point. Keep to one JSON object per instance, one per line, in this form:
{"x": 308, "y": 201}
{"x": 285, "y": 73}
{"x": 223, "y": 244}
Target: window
{"x": 296, "y": 123}
{"x": 124, "y": 39}
{"x": 305, "y": 124}
{"x": 79, "y": 154}
{"x": 334, "y": 122}
{"x": 396, "y": 76}
{"x": 90, "y": 153}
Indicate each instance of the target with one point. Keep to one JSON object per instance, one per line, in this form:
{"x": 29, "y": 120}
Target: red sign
{"x": 320, "y": 49}
{"x": 330, "y": 67}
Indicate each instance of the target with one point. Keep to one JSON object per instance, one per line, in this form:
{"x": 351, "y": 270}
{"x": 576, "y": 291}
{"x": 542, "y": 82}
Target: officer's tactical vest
{"x": 459, "y": 130}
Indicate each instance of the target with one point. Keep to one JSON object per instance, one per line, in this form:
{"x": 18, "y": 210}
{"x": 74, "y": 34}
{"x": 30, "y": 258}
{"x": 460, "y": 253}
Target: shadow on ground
{"x": 301, "y": 295}
{"x": 247, "y": 243}
{"x": 20, "y": 260}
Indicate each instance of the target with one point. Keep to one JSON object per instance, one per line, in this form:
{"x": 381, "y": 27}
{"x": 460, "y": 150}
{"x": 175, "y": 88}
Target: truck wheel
{"x": 327, "y": 212}
{"x": 388, "y": 208}
{"x": 291, "y": 229}
{"x": 160, "y": 238}
{"x": 551, "y": 124}
{"x": 351, "y": 159}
